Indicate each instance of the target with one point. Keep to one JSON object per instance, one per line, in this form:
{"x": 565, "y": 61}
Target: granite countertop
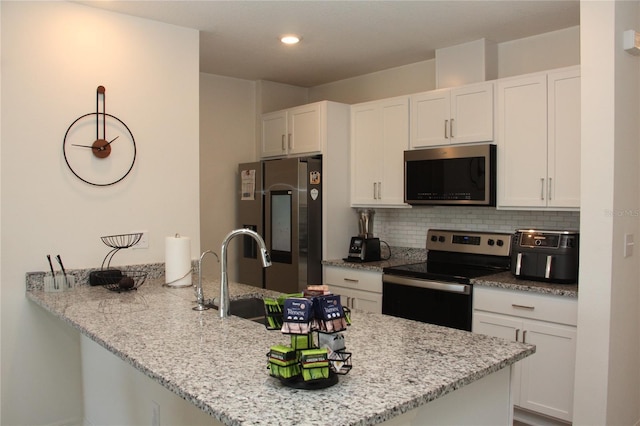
{"x": 223, "y": 362}
{"x": 505, "y": 280}
{"x": 508, "y": 281}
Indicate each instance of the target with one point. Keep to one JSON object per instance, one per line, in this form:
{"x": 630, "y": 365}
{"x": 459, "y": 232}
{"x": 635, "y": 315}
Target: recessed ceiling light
{"x": 290, "y": 39}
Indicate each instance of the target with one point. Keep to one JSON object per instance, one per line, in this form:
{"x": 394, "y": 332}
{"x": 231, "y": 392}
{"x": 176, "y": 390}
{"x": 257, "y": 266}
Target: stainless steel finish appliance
{"x": 365, "y": 222}
{"x": 451, "y": 175}
{"x": 439, "y": 291}
{"x": 282, "y": 201}
{"x": 545, "y": 255}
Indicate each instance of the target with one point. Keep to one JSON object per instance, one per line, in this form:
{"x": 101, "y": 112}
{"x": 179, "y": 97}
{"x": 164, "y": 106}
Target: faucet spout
{"x": 199, "y": 294}
{"x": 224, "y": 280}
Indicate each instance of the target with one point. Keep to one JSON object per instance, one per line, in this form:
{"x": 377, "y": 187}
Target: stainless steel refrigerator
{"x": 282, "y": 201}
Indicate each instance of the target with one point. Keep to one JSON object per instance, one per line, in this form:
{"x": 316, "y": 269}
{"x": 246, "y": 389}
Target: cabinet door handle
{"x": 542, "y": 188}
{"x": 529, "y": 308}
{"x": 289, "y": 144}
{"x": 375, "y": 190}
{"x": 351, "y": 280}
{"x": 446, "y": 124}
{"x": 379, "y": 190}
{"x": 517, "y": 334}
{"x": 549, "y": 189}
{"x": 524, "y": 336}
{"x": 451, "y": 128}
{"x": 283, "y": 146}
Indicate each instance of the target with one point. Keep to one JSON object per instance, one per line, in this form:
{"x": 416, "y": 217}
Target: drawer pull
{"x": 351, "y": 280}
{"x": 529, "y": 308}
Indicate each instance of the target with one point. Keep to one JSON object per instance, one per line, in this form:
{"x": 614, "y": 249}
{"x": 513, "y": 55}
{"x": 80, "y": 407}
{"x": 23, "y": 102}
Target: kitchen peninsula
{"x": 404, "y": 372}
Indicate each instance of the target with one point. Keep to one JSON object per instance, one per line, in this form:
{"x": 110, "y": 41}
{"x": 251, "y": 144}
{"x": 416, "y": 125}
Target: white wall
{"x": 608, "y": 348}
{"x": 227, "y": 138}
{"x": 118, "y": 394}
{"x": 515, "y": 57}
{"x": 556, "y": 49}
{"x": 412, "y": 78}
{"x": 54, "y": 55}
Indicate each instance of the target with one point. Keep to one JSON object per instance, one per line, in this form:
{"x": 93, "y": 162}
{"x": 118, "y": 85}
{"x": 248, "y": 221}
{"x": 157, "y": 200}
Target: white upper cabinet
{"x": 538, "y": 138}
{"x": 459, "y": 115}
{"x": 295, "y": 131}
{"x": 379, "y": 137}
{"x": 563, "y": 142}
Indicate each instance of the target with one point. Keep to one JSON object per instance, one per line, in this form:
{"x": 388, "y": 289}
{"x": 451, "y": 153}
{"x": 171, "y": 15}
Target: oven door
{"x": 433, "y": 302}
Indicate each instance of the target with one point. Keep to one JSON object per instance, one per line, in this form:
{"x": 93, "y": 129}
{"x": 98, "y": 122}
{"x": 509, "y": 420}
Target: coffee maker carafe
{"x": 364, "y": 247}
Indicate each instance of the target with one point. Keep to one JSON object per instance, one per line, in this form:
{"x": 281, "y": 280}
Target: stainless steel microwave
{"x": 451, "y": 175}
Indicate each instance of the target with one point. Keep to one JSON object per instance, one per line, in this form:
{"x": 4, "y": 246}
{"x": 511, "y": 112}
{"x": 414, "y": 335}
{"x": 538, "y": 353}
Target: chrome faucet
{"x": 223, "y": 306}
{"x": 199, "y": 294}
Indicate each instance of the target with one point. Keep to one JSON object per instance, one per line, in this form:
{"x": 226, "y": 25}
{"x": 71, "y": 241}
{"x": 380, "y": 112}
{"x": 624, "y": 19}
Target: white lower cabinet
{"x": 358, "y": 289}
{"x": 543, "y": 382}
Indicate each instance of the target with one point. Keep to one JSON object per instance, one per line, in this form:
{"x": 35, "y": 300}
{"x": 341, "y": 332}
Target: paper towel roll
{"x": 177, "y": 261}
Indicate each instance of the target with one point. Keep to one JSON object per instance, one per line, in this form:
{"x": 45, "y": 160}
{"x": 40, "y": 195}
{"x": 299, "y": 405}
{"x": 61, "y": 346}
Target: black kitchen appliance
{"x": 365, "y": 247}
{"x": 545, "y": 255}
{"x": 451, "y": 175}
{"x": 439, "y": 291}
{"x": 362, "y": 249}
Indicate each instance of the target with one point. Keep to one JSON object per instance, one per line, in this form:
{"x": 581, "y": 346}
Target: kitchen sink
{"x": 251, "y": 308}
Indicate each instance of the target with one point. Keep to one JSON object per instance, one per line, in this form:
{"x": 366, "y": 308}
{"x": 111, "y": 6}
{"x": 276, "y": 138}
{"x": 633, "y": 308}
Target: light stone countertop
{"x": 505, "y": 280}
{"x": 397, "y": 364}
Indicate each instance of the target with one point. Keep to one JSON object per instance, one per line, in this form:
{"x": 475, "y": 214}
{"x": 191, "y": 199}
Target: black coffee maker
{"x": 364, "y": 247}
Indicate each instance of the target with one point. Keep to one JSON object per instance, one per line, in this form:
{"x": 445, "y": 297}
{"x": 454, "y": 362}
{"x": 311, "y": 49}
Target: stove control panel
{"x": 476, "y": 242}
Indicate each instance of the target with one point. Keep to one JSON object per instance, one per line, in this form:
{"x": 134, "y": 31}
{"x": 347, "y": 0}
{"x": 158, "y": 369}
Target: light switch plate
{"x": 144, "y": 240}
{"x": 628, "y": 245}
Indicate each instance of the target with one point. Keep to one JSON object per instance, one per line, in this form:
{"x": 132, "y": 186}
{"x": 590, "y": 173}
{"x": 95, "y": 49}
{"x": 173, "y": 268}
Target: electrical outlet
{"x": 144, "y": 240}
{"x": 155, "y": 413}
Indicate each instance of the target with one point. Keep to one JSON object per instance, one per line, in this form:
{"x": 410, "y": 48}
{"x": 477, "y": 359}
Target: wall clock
{"x": 99, "y": 148}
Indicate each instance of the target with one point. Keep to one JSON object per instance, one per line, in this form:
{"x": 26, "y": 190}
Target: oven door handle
{"x": 432, "y": 285}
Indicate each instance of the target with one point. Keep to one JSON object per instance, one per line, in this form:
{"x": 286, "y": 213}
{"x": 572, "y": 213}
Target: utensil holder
{"x": 58, "y": 283}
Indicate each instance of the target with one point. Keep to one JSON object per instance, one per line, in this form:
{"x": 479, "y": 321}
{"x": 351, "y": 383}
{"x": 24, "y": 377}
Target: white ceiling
{"x": 342, "y": 39}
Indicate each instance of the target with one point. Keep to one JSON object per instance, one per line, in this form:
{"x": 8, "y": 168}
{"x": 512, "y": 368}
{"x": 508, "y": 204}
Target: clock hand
{"x": 101, "y": 91}
{"x": 109, "y": 143}
{"x": 99, "y": 148}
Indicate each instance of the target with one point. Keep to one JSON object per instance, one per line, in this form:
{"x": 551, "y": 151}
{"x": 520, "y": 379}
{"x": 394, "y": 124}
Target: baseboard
{"x": 535, "y": 419}
{"x": 74, "y": 421}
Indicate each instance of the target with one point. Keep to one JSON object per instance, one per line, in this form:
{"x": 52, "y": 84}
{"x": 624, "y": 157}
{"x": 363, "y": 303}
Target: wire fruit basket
{"x": 115, "y": 279}
{"x": 120, "y": 281}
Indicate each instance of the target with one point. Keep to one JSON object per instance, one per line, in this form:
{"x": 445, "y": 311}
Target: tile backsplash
{"x": 408, "y": 227}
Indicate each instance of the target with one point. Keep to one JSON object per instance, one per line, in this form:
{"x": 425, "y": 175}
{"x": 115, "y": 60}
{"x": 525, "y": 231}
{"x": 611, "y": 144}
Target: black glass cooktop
{"x": 449, "y": 272}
